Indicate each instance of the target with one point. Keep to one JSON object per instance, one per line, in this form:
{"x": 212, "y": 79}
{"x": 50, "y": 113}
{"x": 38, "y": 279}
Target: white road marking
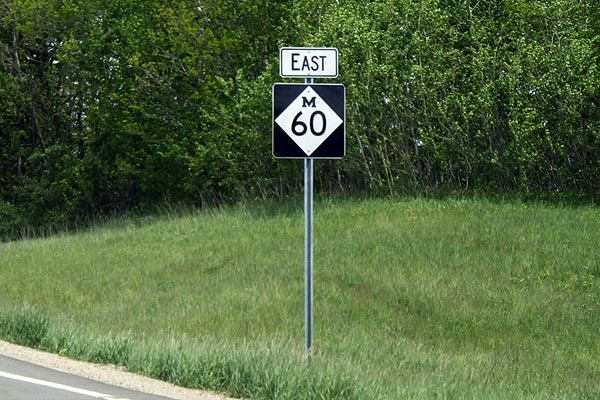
{"x": 59, "y": 386}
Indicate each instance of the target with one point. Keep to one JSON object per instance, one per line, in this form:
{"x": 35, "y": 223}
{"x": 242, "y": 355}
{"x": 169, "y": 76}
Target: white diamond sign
{"x": 309, "y": 121}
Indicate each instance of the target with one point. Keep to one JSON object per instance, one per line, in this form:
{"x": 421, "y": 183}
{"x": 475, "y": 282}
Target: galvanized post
{"x": 308, "y": 253}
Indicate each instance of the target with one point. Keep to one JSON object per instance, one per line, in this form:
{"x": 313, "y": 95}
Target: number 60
{"x": 299, "y": 127}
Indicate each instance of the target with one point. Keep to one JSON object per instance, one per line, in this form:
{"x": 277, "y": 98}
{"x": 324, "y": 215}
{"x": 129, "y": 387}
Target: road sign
{"x": 308, "y": 62}
{"x": 308, "y": 123}
{"x": 308, "y": 120}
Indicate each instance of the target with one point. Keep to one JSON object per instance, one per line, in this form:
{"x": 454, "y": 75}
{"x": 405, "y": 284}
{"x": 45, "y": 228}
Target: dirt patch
{"x": 106, "y": 374}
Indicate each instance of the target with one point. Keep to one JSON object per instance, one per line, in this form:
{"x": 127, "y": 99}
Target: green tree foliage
{"x": 106, "y": 106}
{"x": 491, "y": 95}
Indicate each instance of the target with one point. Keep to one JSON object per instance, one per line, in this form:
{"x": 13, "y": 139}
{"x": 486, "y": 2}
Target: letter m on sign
{"x": 309, "y": 103}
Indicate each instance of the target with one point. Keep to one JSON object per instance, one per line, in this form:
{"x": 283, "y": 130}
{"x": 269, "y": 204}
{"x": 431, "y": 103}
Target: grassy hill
{"x": 414, "y": 299}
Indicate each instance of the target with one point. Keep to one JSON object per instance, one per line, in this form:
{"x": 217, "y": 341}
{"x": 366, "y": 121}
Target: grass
{"x": 414, "y": 299}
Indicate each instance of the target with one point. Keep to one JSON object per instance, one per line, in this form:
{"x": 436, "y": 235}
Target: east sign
{"x": 308, "y": 62}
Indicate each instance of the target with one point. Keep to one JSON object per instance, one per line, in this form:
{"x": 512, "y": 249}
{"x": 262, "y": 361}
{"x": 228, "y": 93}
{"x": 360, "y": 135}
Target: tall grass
{"x": 257, "y": 372}
{"x": 415, "y": 299}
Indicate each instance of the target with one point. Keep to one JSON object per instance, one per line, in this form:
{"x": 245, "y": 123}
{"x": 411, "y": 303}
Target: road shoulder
{"x": 105, "y": 373}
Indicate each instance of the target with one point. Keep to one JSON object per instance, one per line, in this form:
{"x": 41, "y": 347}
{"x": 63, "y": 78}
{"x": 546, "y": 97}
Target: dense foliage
{"x": 106, "y": 106}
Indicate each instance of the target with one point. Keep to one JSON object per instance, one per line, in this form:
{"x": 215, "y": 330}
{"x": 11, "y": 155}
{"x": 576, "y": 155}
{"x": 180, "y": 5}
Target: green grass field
{"x": 414, "y": 299}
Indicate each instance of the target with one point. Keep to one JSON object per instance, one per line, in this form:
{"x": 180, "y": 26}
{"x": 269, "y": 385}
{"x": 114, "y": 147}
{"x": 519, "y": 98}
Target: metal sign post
{"x": 308, "y": 253}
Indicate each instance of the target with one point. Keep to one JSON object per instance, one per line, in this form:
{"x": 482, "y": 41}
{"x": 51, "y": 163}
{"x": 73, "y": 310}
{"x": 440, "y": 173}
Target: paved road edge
{"x": 105, "y": 373}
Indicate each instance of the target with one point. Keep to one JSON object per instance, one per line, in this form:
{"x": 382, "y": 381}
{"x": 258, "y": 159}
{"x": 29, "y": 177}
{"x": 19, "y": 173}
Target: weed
{"x": 26, "y": 327}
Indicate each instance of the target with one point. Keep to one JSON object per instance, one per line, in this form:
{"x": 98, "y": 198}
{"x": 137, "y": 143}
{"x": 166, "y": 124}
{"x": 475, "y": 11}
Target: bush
{"x": 10, "y": 221}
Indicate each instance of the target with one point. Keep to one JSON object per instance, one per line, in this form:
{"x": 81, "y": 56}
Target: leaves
{"x": 155, "y": 100}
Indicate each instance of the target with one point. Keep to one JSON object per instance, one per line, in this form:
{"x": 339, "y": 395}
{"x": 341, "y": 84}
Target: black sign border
{"x": 334, "y": 147}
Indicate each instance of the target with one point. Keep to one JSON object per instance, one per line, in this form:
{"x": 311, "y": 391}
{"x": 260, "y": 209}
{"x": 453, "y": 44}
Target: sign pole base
{"x": 308, "y": 257}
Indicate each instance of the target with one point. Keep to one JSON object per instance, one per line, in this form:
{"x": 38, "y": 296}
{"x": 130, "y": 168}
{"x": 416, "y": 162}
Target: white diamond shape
{"x": 315, "y": 114}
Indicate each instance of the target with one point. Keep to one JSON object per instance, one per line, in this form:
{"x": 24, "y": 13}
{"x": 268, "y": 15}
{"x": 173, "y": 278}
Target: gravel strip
{"x": 106, "y": 374}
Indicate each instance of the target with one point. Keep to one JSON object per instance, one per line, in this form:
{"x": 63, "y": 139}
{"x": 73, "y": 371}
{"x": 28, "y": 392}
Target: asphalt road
{"x": 24, "y": 381}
